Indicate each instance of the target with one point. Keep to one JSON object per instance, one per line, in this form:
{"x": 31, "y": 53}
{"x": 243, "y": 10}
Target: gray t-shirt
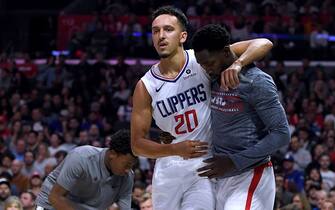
{"x": 249, "y": 123}
{"x": 91, "y": 186}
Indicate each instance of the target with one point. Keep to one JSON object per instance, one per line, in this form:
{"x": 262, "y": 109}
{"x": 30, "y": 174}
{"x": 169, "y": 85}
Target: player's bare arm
{"x": 140, "y": 125}
{"x": 58, "y": 200}
{"x": 248, "y": 52}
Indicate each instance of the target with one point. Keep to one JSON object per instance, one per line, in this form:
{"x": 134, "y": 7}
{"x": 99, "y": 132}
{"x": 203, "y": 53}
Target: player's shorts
{"x": 177, "y": 186}
{"x": 251, "y": 190}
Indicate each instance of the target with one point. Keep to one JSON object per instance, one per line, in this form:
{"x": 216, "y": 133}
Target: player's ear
{"x": 226, "y": 51}
{"x": 112, "y": 154}
{"x": 183, "y": 37}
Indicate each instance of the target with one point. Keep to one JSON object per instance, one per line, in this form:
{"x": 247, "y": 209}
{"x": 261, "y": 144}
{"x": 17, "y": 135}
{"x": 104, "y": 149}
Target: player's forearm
{"x": 266, "y": 146}
{"x": 256, "y": 50}
{"x": 148, "y": 148}
{"x": 60, "y": 202}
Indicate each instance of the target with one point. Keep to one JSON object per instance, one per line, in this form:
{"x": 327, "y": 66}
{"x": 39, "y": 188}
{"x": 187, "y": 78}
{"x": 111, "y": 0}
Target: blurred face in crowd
{"x": 297, "y": 201}
{"x": 26, "y": 128}
{"x": 36, "y": 115}
{"x": 43, "y": 150}
{"x": 32, "y": 138}
{"x": 4, "y": 192}
{"x": 29, "y": 158}
{"x": 279, "y": 181}
{"x": 83, "y": 137}
{"x": 331, "y": 196}
{"x": 13, "y": 206}
{"x": 137, "y": 194}
{"x": 288, "y": 165}
{"x": 74, "y": 124}
{"x": 16, "y": 167}
{"x": 54, "y": 140}
{"x": 318, "y": 150}
{"x": 327, "y": 206}
{"x": 321, "y": 196}
{"x": 94, "y": 131}
{"x": 56, "y": 100}
{"x": 295, "y": 144}
{"x": 36, "y": 181}
{"x": 27, "y": 200}
{"x": 6, "y": 162}
{"x": 20, "y": 146}
{"x": 314, "y": 174}
{"x": 303, "y": 135}
{"x": 167, "y": 35}
{"x": 324, "y": 162}
{"x": 16, "y": 126}
{"x": 146, "y": 205}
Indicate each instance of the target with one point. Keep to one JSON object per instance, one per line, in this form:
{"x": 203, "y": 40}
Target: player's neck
{"x": 172, "y": 65}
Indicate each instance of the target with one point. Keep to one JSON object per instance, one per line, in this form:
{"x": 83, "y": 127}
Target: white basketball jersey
{"x": 181, "y": 106}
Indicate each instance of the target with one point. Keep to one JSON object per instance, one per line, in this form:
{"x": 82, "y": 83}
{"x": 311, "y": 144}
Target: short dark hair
{"x": 169, "y": 10}
{"x": 120, "y": 142}
{"x": 211, "y": 37}
{"x": 31, "y": 193}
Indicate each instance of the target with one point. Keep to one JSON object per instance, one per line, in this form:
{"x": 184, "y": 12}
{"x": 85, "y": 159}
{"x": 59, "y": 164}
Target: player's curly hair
{"x": 120, "y": 142}
{"x": 212, "y": 37}
{"x": 169, "y": 10}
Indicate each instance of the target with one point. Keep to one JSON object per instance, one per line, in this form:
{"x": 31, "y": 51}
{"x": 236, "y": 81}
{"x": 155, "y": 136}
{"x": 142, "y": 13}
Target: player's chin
{"x": 163, "y": 54}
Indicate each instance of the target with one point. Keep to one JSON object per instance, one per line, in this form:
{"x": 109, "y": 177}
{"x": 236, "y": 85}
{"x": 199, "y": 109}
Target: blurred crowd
{"x": 46, "y": 110}
{"x": 297, "y": 28}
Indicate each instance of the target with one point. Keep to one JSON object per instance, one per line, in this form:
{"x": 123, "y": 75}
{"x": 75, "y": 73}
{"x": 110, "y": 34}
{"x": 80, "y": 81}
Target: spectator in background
{"x": 6, "y": 161}
{"x": 301, "y": 156}
{"x": 299, "y": 202}
{"x": 35, "y": 183}
{"x": 13, "y": 203}
{"x": 27, "y": 199}
{"x": 19, "y": 149}
{"x": 32, "y": 141}
{"x": 316, "y": 152}
{"x": 46, "y": 73}
{"x": 146, "y": 202}
{"x": 28, "y": 166}
{"x": 331, "y": 196}
{"x": 123, "y": 93}
{"x": 328, "y": 175}
{"x": 138, "y": 192}
{"x": 292, "y": 176}
{"x": 68, "y": 144}
{"x": 322, "y": 197}
{"x": 283, "y": 196}
{"x": 43, "y": 158}
{"x": 19, "y": 179}
{"x": 5, "y": 191}
{"x": 124, "y": 111}
{"x": 55, "y": 143}
{"x": 83, "y": 138}
{"x": 313, "y": 177}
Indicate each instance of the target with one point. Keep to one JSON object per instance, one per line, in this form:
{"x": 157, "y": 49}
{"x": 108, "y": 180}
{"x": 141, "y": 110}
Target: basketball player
{"x": 176, "y": 93}
{"x": 91, "y": 178}
{"x": 248, "y": 123}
